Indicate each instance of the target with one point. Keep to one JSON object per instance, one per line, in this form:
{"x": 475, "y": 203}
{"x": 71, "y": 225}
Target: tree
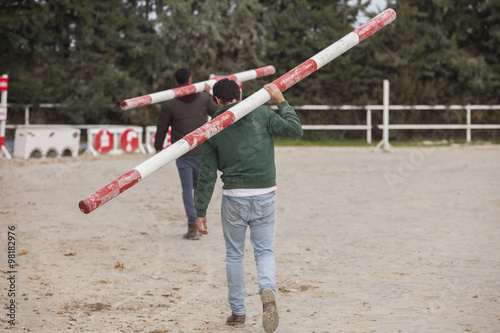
{"x": 73, "y": 53}
{"x": 91, "y": 55}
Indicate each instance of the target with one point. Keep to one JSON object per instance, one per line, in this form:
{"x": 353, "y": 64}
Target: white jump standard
{"x": 232, "y": 115}
{"x": 4, "y": 86}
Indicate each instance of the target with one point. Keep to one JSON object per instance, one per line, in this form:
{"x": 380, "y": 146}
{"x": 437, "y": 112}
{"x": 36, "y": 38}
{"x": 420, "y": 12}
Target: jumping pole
{"x": 193, "y": 88}
{"x": 232, "y": 115}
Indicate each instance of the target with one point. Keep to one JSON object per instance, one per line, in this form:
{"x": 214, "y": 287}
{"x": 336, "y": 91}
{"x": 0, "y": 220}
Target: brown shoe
{"x": 234, "y": 320}
{"x": 192, "y": 233}
{"x": 270, "y": 317}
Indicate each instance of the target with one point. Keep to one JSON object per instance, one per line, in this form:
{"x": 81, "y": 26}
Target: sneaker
{"x": 270, "y": 317}
{"x": 234, "y": 320}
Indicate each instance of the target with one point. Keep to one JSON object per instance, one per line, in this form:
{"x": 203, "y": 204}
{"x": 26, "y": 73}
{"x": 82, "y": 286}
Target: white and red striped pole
{"x": 232, "y": 115}
{"x": 4, "y": 87}
{"x": 193, "y": 88}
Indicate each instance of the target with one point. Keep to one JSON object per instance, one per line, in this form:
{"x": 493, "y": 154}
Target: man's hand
{"x": 207, "y": 88}
{"x": 276, "y": 95}
{"x": 201, "y": 225}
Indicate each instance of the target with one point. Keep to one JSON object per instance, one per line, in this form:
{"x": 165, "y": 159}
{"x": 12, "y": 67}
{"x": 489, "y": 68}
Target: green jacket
{"x": 244, "y": 152}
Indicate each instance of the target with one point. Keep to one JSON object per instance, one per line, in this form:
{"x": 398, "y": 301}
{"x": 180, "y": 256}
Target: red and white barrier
{"x": 4, "y": 87}
{"x": 46, "y": 141}
{"x": 232, "y": 115}
{"x": 115, "y": 140}
{"x": 150, "y": 139}
{"x": 193, "y": 88}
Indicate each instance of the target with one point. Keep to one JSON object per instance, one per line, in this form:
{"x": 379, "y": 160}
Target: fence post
{"x": 27, "y": 115}
{"x": 386, "y": 146}
{"x": 468, "y": 135}
{"x": 369, "y": 125}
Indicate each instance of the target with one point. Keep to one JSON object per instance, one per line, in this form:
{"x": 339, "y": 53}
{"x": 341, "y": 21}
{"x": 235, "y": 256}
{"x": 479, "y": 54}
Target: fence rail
{"x": 369, "y": 108}
{"x": 468, "y": 126}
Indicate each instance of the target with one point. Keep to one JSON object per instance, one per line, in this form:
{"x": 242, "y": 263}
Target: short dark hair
{"x": 182, "y": 75}
{"x": 226, "y": 91}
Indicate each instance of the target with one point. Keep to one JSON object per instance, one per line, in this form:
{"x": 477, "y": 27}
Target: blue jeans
{"x": 189, "y": 167}
{"x": 259, "y": 213}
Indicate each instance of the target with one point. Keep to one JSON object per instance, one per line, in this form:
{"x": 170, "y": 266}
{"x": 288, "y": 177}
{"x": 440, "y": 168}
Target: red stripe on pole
{"x": 136, "y": 102}
{"x": 110, "y": 191}
{"x": 264, "y": 71}
{"x": 4, "y": 83}
{"x": 295, "y": 75}
{"x": 375, "y": 24}
{"x": 2, "y": 141}
{"x": 211, "y": 128}
{"x": 229, "y": 77}
{"x": 184, "y": 91}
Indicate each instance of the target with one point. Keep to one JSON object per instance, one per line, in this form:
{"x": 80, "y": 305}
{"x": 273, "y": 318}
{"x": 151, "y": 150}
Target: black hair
{"x": 226, "y": 91}
{"x": 182, "y": 75}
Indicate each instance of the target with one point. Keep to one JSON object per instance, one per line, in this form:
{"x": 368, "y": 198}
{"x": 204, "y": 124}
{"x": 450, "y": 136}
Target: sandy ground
{"x": 407, "y": 241}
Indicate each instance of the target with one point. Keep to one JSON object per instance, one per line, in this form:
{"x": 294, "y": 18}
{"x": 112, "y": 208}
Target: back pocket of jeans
{"x": 234, "y": 211}
{"x": 267, "y": 210}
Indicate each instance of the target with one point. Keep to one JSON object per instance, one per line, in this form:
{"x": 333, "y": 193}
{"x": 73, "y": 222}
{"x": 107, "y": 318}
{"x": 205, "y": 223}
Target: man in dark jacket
{"x": 185, "y": 114}
{"x": 244, "y": 153}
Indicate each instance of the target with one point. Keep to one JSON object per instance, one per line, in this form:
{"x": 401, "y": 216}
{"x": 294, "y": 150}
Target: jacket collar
{"x": 188, "y": 98}
{"x": 225, "y": 108}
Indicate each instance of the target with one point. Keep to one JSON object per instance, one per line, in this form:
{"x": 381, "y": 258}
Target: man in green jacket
{"x": 244, "y": 153}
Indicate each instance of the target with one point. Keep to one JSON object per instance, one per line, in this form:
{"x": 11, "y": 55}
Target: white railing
{"x": 27, "y": 108}
{"x": 468, "y": 126}
{"x": 367, "y": 127}
{"x": 386, "y": 146}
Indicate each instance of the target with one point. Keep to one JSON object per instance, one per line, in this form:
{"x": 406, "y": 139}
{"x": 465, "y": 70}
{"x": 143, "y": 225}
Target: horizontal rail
{"x": 435, "y": 107}
{"x": 27, "y": 108}
{"x": 336, "y": 127}
{"x": 439, "y": 126}
{"x": 317, "y": 107}
{"x": 367, "y": 127}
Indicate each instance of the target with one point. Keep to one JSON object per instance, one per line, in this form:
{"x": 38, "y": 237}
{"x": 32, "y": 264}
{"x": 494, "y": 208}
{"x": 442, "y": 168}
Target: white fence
{"x": 367, "y": 127}
{"x": 27, "y": 108}
{"x": 468, "y": 126}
